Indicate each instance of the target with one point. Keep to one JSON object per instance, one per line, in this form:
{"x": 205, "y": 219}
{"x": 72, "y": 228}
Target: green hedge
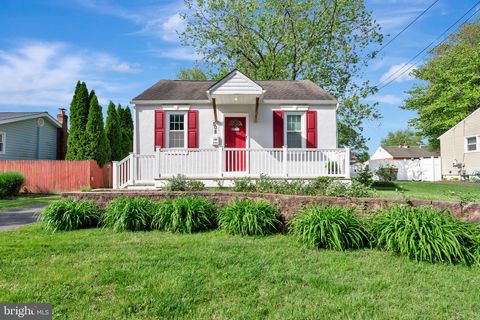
{"x": 10, "y": 184}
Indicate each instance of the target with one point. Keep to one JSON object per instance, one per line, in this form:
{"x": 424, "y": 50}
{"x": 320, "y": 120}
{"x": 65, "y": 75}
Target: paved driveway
{"x": 12, "y": 218}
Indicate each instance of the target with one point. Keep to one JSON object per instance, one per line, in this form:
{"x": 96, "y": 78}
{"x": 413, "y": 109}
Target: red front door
{"x": 235, "y": 137}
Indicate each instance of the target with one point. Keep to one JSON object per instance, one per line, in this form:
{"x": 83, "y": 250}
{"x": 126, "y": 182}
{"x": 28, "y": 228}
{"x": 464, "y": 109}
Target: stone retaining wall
{"x": 288, "y": 204}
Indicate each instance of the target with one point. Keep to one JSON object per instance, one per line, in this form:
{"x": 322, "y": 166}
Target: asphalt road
{"x": 12, "y": 218}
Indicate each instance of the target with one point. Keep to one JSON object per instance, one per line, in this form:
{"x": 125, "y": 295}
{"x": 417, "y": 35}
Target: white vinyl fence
{"x": 424, "y": 169}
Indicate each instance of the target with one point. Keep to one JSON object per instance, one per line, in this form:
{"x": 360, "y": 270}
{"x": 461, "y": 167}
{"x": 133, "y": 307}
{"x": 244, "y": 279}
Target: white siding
{"x": 260, "y": 133}
{"x": 380, "y": 154}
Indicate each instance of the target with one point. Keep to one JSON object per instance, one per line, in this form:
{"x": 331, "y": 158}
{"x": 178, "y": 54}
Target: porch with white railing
{"x": 224, "y": 163}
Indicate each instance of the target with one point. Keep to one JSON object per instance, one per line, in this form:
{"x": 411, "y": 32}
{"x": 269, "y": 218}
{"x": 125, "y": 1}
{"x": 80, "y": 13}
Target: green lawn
{"x": 430, "y": 191}
{"x": 26, "y": 200}
{"x": 97, "y": 274}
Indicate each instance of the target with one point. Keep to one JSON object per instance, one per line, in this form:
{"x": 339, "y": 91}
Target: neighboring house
{"x": 460, "y": 148}
{"x": 233, "y": 127}
{"x": 32, "y": 136}
{"x": 416, "y": 163}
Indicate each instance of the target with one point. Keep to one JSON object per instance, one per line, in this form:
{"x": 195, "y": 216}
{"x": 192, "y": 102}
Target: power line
{"x": 408, "y": 26}
{"x": 384, "y": 83}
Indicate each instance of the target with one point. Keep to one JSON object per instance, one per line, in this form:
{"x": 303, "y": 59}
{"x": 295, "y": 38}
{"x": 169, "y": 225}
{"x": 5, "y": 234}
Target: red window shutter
{"x": 193, "y": 128}
{"x": 159, "y": 129}
{"x": 311, "y": 129}
{"x": 277, "y": 129}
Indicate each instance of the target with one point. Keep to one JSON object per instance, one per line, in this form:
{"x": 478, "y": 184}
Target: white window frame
{"x": 185, "y": 129}
{"x": 4, "y": 142}
{"x": 303, "y": 127}
{"x": 477, "y": 144}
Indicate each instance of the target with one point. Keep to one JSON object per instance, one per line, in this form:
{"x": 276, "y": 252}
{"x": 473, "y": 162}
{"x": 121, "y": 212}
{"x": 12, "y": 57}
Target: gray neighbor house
{"x": 33, "y": 136}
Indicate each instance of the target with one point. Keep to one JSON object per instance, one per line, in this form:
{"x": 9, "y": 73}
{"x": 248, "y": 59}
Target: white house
{"x": 234, "y": 127}
{"x": 416, "y": 163}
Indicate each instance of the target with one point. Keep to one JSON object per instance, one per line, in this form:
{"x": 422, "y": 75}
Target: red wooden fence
{"x": 54, "y": 176}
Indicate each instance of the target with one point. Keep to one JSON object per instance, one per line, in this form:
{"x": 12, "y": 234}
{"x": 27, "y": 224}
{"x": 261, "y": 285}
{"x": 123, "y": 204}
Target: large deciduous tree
{"x": 113, "y": 131}
{"x": 194, "y": 73}
{"x": 451, "y": 87}
{"x": 97, "y": 147}
{"x": 402, "y": 137}
{"x": 326, "y": 41}
{"x": 78, "y": 121}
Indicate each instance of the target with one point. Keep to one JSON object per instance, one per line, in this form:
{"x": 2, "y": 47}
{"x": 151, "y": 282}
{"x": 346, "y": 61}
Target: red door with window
{"x": 235, "y": 138}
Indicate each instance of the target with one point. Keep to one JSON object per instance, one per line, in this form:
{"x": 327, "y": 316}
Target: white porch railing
{"x": 229, "y": 163}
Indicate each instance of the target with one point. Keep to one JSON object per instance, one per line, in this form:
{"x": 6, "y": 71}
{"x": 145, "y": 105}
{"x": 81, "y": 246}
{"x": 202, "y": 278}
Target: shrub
{"x": 243, "y": 185}
{"x": 359, "y": 190}
{"x": 320, "y": 184}
{"x": 185, "y": 215}
{"x": 424, "y": 234}
{"x": 248, "y": 217}
{"x": 10, "y": 183}
{"x": 387, "y": 173}
{"x": 355, "y": 189}
{"x": 266, "y": 185}
{"x": 330, "y": 227}
{"x": 177, "y": 183}
{"x": 129, "y": 214}
{"x": 70, "y": 214}
{"x": 195, "y": 185}
{"x": 365, "y": 177}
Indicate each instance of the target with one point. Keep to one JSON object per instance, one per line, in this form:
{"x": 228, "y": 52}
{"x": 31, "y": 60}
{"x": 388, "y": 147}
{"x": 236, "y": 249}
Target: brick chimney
{"x": 62, "y": 134}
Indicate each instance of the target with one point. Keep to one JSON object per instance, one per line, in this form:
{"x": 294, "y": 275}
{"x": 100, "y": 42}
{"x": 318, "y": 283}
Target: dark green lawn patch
{"x": 27, "y": 200}
{"x": 99, "y": 274}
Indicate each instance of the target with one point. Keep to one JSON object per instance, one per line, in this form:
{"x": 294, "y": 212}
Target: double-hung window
{"x": 471, "y": 144}
{"x": 2, "y": 142}
{"x": 176, "y": 130}
{"x": 293, "y": 130}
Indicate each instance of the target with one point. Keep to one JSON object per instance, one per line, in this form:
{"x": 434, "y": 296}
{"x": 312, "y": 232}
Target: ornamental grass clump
{"x": 329, "y": 227}
{"x": 185, "y": 215}
{"x": 425, "y": 234}
{"x": 70, "y": 214}
{"x": 249, "y": 217}
{"x": 129, "y": 214}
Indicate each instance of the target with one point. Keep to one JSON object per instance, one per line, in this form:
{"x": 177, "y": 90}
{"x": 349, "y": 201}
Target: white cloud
{"x": 389, "y": 99}
{"x": 177, "y": 53}
{"x": 399, "y": 73}
{"x": 45, "y": 73}
{"x": 161, "y": 21}
{"x": 171, "y": 26}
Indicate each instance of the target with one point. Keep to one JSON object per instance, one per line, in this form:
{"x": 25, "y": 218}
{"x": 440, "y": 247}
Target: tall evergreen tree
{"x": 126, "y": 121}
{"x": 114, "y": 132}
{"x": 97, "y": 147}
{"x": 79, "y": 108}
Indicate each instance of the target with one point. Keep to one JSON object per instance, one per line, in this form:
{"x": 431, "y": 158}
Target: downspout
{"x": 37, "y": 152}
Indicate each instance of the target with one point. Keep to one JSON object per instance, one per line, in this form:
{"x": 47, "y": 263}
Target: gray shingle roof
{"x": 410, "y": 152}
{"x": 12, "y": 115}
{"x": 197, "y": 90}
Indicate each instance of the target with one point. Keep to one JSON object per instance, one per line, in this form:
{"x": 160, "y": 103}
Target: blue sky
{"x": 120, "y": 48}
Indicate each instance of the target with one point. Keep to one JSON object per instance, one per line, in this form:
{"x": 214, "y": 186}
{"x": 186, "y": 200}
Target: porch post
{"x": 220, "y": 161}
{"x": 132, "y": 168}
{"x": 285, "y": 159}
{"x": 156, "y": 169}
{"x": 347, "y": 163}
{"x": 115, "y": 175}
